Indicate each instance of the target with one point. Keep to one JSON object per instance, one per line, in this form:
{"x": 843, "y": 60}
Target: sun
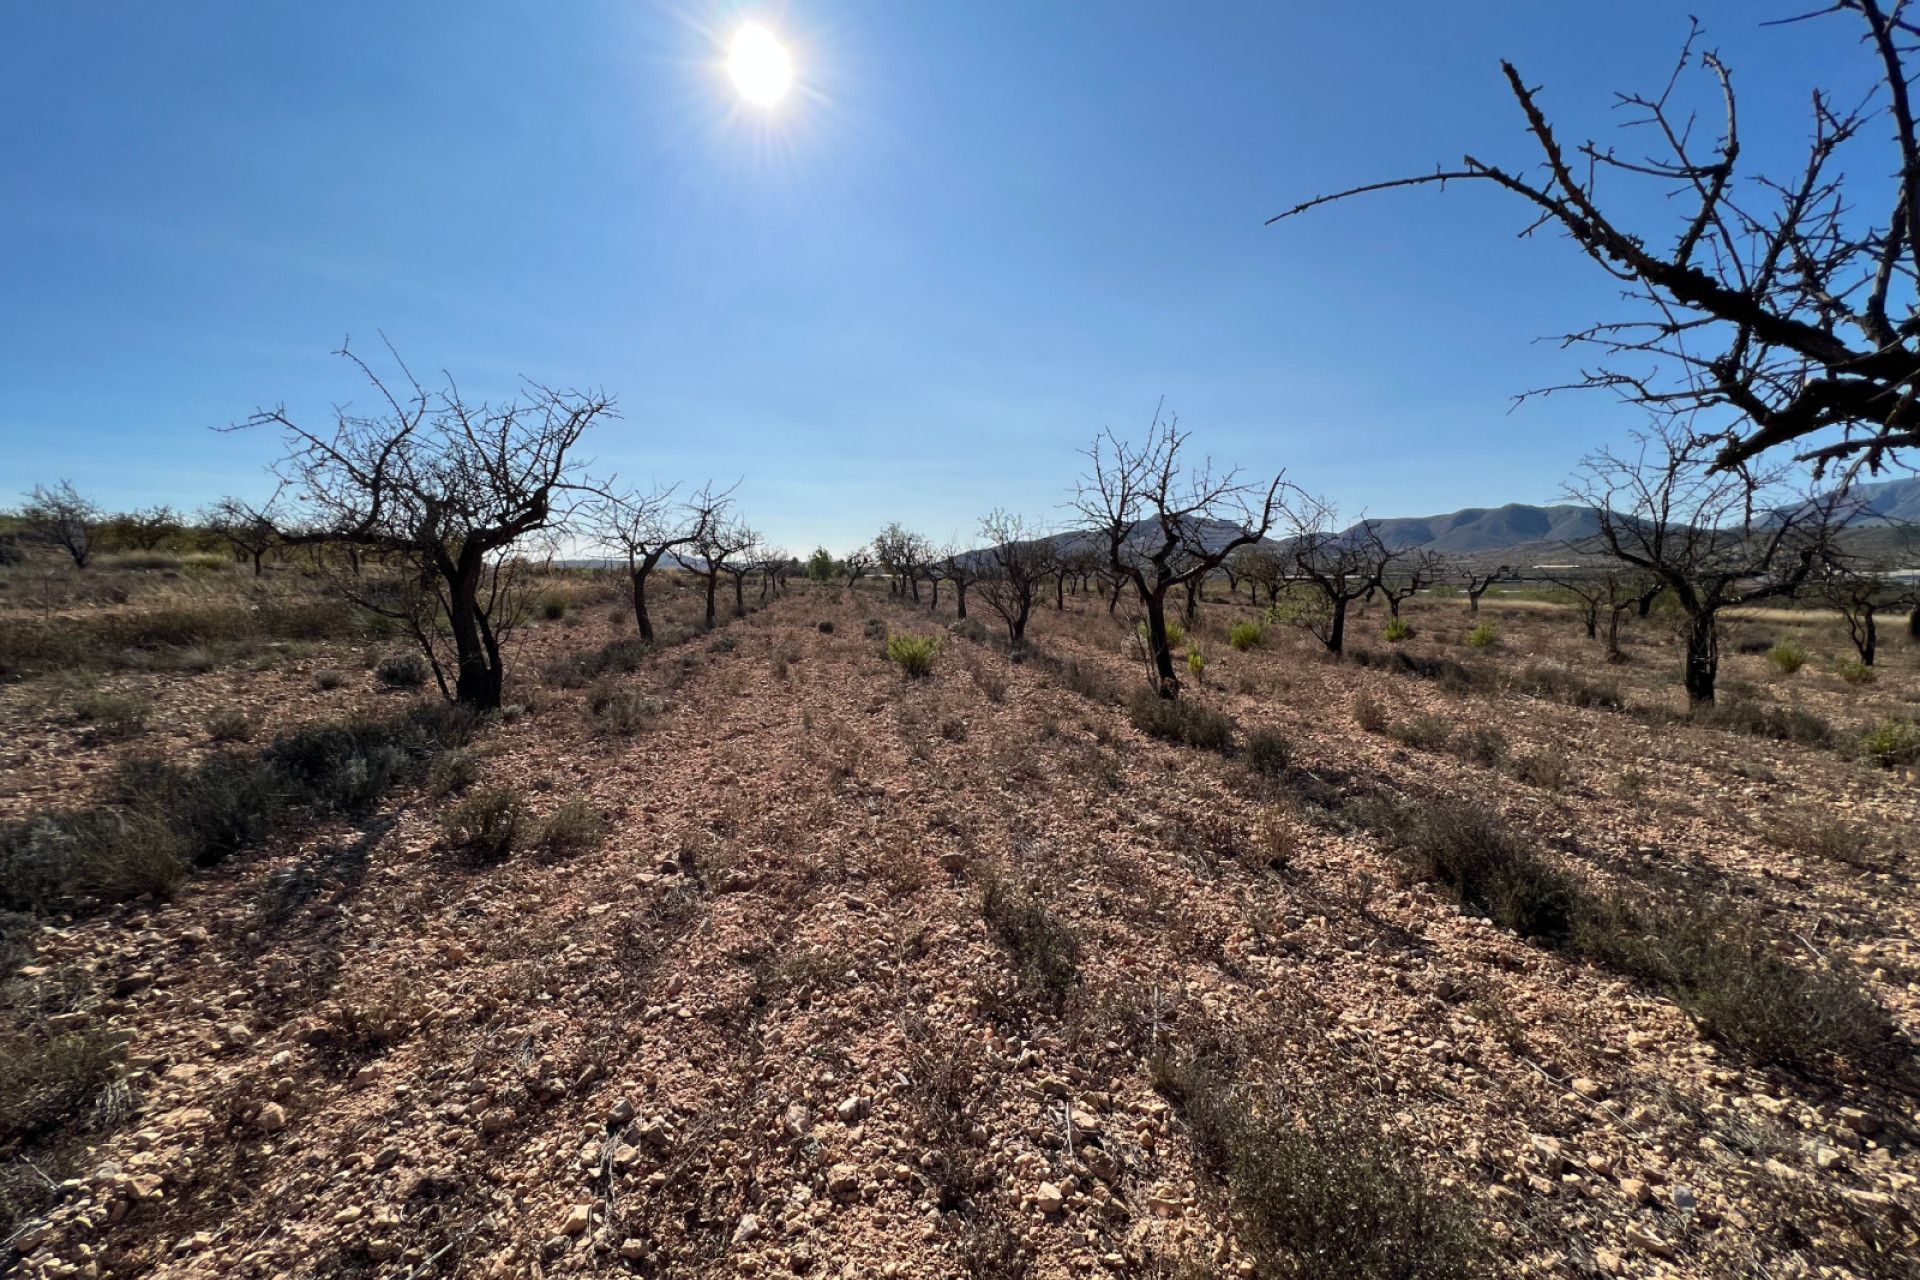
{"x": 759, "y": 65}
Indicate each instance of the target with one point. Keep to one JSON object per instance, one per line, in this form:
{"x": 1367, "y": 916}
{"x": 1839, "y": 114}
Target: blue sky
{"x": 975, "y": 235}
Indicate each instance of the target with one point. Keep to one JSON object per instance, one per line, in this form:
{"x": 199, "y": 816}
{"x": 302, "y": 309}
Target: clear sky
{"x": 973, "y": 235}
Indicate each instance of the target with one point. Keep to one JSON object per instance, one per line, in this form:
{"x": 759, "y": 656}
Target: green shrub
{"x": 1891, "y": 742}
{"x": 1242, "y": 636}
{"x": 914, "y": 654}
{"x": 230, "y": 724}
{"x": 1369, "y": 714}
{"x": 1269, "y": 751}
{"x": 1319, "y": 1192}
{"x": 1176, "y": 634}
{"x": 1398, "y": 629}
{"x": 1484, "y": 636}
{"x": 554, "y": 605}
{"x": 574, "y": 827}
{"x": 1425, "y": 733}
{"x": 489, "y": 825}
{"x": 1181, "y": 720}
{"x": 1787, "y": 656}
{"x": 403, "y": 671}
{"x": 1853, "y": 671}
{"x": 453, "y": 772}
{"x": 1196, "y": 663}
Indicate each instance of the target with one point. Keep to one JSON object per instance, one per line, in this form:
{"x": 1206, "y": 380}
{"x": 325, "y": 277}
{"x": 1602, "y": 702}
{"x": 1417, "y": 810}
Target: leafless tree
{"x": 1778, "y": 308}
{"x": 859, "y": 563}
{"x": 644, "y": 528}
{"x": 1409, "y": 573}
{"x": 1859, "y": 586}
{"x": 443, "y": 490}
{"x": 962, "y": 569}
{"x": 63, "y": 517}
{"x": 1261, "y": 565}
{"x": 249, "y": 532}
{"x": 145, "y": 529}
{"x": 1716, "y": 536}
{"x": 904, "y": 556}
{"x": 1477, "y": 584}
{"x": 1613, "y": 591}
{"x": 722, "y": 537}
{"x": 1337, "y": 566}
{"x": 1017, "y": 558}
{"x": 1164, "y": 524}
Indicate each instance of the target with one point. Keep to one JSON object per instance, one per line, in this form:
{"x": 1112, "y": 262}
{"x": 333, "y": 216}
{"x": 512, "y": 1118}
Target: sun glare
{"x": 760, "y": 67}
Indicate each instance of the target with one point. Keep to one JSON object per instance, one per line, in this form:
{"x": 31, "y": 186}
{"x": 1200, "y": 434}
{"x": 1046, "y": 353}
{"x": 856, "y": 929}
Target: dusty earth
{"x": 758, "y": 1029}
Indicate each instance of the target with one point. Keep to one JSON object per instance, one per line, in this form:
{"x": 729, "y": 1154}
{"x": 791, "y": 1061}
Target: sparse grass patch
{"x": 489, "y": 826}
{"x": 1369, "y": 714}
{"x": 402, "y": 671}
{"x": 1181, "y": 720}
{"x": 1269, "y": 751}
{"x": 1787, "y": 657}
{"x": 230, "y": 724}
{"x": 1397, "y": 630}
{"x": 1484, "y": 636}
{"x": 1483, "y": 744}
{"x": 618, "y": 709}
{"x": 577, "y": 669}
{"x": 874, "y": 629}
{"x": 1425, "y": 733}
{"x": 1046, "y": 951}
{"x": 1245, "y": 635}
{"x": 453, "y": 772}
{"x": 46, "y": 1080}
{"x": 328, "y": 680}
{"x": 112, "y": 717}
{"x": 1563, "y": 686}
{"x": 575, "y": 827}
{"x": 1465, "y": 848}
{"x": 1546, "y": 769}
{"x": 1821, "y": 835}
{"x": 913, "y": 654}
{"x": 1320, "y": 1193}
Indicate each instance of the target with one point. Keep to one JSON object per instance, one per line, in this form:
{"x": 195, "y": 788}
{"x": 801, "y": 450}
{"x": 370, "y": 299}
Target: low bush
{"x": 46, "y": 1079}
{"x": 970, "y": 629}
{"x": 403, "y": 671}
{"x": 453, "y": 772}
{"x": 1563, "y": 686}
{"x": 826, "y": 627}
{"x": 1426, "y": 733}
{"x": 326, "y": 681}
{"x": 1322, "y": 1193}
{"x": 1466, "y": 849}
{"x": 553, "y": 606}
{"x": 621, "y": 710}
{"x": 574, "y": 827}
{"x": 111, "y": 716}
{"x": 144, "y": 637}
{"x": 1482, "y": 744}
{"x": 1891, "y": 742}
{"x": 1787, "y": 657}
{"x": 1181, "y": 720}
{"x": 1242, "y": 636}
{"x": 1046, "y": 951}
{"x": 1547, "y": 769}
{"x": 1369, "y": 714}
{"x": 1822, "y": 835}
{"x": 1269, "y": 751}
{"x": 913, "y": 654}
{"x": 574, "y": 670}
{"x": 1853, "y": 671}
{"x": 1196, "y": 663}
{"x": 1176, "y": 634}
{"x": 1453, "y": 676}
{"x": 230, "y": 724}
{"x": 1484, "y": 636}
{"x": 156, "y": 818}
{"x": 1398, "y": 629}
{"x": 489, "y": 826}
{"x": 874, "y": 629}
{"x": 1784, "y": 724}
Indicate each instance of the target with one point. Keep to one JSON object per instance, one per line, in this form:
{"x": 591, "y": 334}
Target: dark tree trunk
{"x": 713, "y": 588}
{"x": 934, "y": 605}
{"x": 739, "y": 595}
{"x": 1060, "y": 592}
{"x": 1867, "y": 638}
{"x": 1156, "y": 602}
{"x": 1337, "y": 634}
{"x": 640, "y": 618}
{"x": 1193, "y": 603}
{"x": 477, "y": 681}
{"x": 1613, "y": 633}
{"x": 1592, "y": 619}
{"x": 1703, "y": 658}
{"x": 960, "y": 595}
{"x": 1913, "y": 623}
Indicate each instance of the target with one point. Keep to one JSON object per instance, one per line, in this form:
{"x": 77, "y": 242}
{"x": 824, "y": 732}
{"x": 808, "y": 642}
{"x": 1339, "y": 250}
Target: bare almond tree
{"x": 1163, "y": 524}
{"x": 859, "y": 563}
{"x": 249, "y": 531}
{"x": 1860, "y": 585}
{"x": 961, "y": 568}
{"x": 1717, "y": 537}
{"x": 1782, "y": 307}
{"x": 63, "y": 517}
{"x": 443, "y": 490}
{"x": 1016, "y": 560}
{"x": 1408, "y": 574}
{"x": 1337, "y": 566}
{"x": 1477, "y": 584}
{"x": 722, "y": 537}
{"x": 146, "y": 528}
{"x": 643, "y": 529}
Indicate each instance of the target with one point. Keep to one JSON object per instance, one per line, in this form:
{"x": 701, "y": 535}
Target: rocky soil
{"x": 765, "y": 1029}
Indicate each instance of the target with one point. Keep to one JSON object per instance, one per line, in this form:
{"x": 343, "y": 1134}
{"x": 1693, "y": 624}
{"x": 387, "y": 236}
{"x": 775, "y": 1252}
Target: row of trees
{"x": 69, "y": 523}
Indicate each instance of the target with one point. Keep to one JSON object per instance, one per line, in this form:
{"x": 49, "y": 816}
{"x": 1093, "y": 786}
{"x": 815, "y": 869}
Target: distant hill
{"x": 1481, "y": 529}
{"x": 1893, "y": 499}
